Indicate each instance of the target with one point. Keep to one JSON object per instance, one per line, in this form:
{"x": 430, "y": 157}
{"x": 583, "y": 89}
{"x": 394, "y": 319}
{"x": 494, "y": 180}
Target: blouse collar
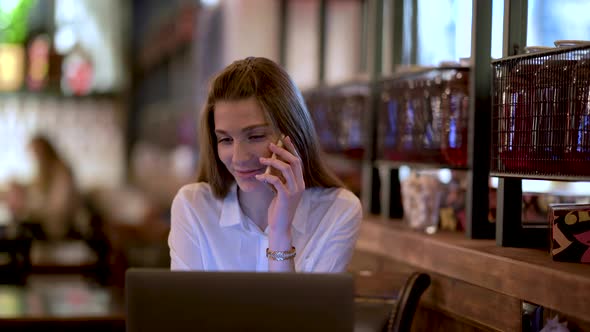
{"x": 231, "y": 213}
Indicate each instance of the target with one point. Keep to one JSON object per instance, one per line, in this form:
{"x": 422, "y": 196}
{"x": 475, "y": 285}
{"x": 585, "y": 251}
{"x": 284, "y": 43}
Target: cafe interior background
{"x": 117, "y": 86}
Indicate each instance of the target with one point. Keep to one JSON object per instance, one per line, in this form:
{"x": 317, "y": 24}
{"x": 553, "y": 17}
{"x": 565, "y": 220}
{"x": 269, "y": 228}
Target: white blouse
{"x": 214, "y": 234}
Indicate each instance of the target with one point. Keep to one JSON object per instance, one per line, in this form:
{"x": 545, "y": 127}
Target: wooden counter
{"x": 479, "y": 280}
{"x": 61, "y": 303}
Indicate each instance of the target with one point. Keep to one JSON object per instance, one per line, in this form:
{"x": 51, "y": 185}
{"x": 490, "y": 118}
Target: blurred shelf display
{"x": 12, "y": 67}
{"x": 67, "y": 47}
{"x": 96, "y": 32}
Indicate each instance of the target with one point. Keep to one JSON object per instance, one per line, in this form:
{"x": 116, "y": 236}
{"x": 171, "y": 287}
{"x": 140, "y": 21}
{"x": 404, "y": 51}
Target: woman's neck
{"x": 255, "y": 205}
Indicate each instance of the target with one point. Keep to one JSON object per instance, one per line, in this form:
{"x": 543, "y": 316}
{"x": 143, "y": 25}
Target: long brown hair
{"x": 49, "y": 161}
{"x": 284, "y": 109}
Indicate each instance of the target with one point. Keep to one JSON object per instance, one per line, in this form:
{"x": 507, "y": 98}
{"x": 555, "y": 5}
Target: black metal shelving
{"x": 478, "y": 135}
{"x": 539, "y": 127}
{"x": 380, "y": 189}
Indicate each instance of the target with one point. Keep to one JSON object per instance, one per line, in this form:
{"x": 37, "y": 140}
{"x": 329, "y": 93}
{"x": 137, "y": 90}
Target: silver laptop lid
{"x": 163, "y": 300}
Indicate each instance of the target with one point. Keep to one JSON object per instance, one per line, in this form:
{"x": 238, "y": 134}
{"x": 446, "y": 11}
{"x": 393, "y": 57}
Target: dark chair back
{"x": 391, "y": 313}
{"x": 403, "y": 313}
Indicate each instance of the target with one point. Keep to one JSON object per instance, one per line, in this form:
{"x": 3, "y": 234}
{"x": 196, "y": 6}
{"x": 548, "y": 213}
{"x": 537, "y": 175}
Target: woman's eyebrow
{"x": 254, "y": 127}
{"x": 245, "y": 129}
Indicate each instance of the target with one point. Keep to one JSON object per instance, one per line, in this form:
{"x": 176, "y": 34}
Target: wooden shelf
{"x": 526, "y": 274}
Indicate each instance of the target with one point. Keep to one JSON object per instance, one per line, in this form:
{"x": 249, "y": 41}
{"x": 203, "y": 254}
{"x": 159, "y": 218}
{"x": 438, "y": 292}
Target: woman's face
{"x": 243, "y": 136}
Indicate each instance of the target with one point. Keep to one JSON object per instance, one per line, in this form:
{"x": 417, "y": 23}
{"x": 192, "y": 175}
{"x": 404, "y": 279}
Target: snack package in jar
{"x": 421, "y": 199}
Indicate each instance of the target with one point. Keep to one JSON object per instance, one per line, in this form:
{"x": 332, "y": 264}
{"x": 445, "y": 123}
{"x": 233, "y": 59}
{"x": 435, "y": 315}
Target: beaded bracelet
{"x": 280, "y": 255}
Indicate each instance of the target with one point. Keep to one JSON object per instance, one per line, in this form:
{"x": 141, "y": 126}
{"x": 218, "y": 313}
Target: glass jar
{"x": 435, "y": 123}
{"x": 352, "y": 134}
{"x": 326, "y": 124}
{"x": 421, "y": 107}
{"x": 516, "y": 126}
{"x": 455, "y": 116}
{"x": 553, "y": 81}
{"x": 387, "y": 120}
{"x": 406, "y": 145}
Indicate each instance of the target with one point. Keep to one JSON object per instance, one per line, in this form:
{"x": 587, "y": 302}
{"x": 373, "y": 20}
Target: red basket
{"x": 541, "y": 114}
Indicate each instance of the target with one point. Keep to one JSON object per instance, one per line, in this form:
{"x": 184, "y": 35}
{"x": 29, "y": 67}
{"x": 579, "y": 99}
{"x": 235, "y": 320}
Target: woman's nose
{"x": 241, "y": 152}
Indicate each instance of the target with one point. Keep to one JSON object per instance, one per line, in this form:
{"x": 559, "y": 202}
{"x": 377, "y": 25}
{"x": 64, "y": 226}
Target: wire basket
{"x": 541, "y": 114}
{"x": 424, "y": 117}
{"x": 340, "y": 114}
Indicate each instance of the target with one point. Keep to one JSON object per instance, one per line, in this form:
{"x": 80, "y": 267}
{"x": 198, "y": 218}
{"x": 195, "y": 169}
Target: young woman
{"x": 239, "y": 216}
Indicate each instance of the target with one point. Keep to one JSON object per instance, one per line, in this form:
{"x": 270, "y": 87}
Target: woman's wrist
{"x": 279, "y": 240}
{"x": 281, "y": 255}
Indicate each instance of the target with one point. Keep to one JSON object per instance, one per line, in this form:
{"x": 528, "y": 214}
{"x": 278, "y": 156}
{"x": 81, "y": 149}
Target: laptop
{"x": 164, "y": 300}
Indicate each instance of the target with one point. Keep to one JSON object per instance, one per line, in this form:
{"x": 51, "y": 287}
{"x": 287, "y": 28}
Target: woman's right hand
{"x": 288, "y": 191}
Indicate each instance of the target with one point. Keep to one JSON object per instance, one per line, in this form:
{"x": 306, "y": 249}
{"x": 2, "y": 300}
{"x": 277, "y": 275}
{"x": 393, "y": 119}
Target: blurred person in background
{"x": 51, "y": 205}
{"x": 241, "y": 216}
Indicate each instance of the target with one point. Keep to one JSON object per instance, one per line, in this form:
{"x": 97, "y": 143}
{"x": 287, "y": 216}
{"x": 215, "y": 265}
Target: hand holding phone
{"x": 284, "y": 176}
{"x": 268, "y": 170}
{"x": 274, "y": 155}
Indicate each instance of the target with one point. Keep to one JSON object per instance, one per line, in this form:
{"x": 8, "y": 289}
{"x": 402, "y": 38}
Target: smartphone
{"x": 269, "y": 168}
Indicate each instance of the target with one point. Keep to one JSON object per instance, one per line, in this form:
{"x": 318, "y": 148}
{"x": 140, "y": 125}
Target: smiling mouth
{"x": 250, "y": 173}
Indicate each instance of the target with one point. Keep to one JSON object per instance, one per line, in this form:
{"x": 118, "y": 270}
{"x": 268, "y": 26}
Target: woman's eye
{"x": 223, "y": 140}
{"x": 257, "y": 137}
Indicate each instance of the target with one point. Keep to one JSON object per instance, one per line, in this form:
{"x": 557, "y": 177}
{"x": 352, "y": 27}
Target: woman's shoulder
{"x": 332, "y": 206}
{"x": 198, "y": 191}
{"x": 334, "y": 195}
